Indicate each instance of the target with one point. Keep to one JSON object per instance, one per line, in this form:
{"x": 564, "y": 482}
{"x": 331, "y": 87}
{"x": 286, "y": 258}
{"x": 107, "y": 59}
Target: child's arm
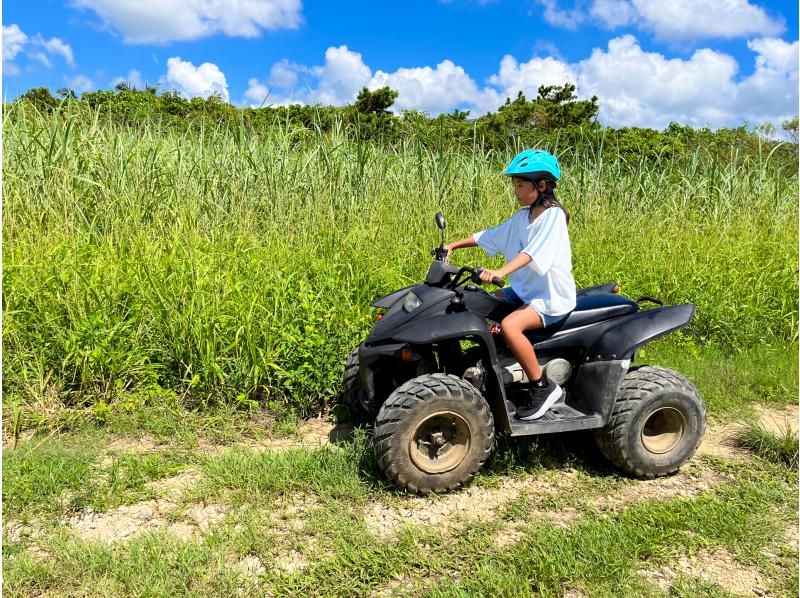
{"x": 522, "y": 260}
{"x": 466, "y": 242}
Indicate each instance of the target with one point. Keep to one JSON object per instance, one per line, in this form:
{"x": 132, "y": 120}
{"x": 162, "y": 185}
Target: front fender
{"x": 387, "y": 301}
{"x": 635, "y": 330}
{"x": 445, "y": 326}
{"x": 448, "y": 326}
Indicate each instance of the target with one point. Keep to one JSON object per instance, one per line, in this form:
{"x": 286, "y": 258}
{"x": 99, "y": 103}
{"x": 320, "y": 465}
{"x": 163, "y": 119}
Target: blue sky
{"x": 703, "y": 62}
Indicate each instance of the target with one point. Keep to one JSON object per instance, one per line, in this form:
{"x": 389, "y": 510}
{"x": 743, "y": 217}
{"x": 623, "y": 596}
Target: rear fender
{"x": 635, "y": 330}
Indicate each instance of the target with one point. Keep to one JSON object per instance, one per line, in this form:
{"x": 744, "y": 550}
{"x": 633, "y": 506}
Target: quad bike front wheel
{"x": 657, "y": 423}
{"x": 351, "y": 388}
{"x": 433, "y": 433}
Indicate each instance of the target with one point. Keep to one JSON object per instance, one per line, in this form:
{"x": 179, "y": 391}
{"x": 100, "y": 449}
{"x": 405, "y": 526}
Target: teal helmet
{"x": 534, "y": 165}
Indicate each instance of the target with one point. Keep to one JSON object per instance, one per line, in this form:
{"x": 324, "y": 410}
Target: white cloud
{"x": 55, "y": 45}
{"x": 688, "y": 19}
{"x": 774, "y": 54}
{"x": 284, "y": 74}
{"x": 163, "y": 21}
{"x": 36, "y": 48}
{"x": 567, "y": 19}
{"x": 430, "y": 89}
{"x": 80, "y": 83}
{"x": 14, "y": 39}
{"x": 514, "y": 77}
{"x": 133, "y": 78}
{"x": 647, "y": 89}
{"x": 635, "y": 87}
{"x": 257, "y": 93}
{"x": 772, "y": 89}
{"x": 41, "y": 58}
{"x": 341, "y": 77}
{"x": 614, "y": 13}
{"x": 193, "y": 81}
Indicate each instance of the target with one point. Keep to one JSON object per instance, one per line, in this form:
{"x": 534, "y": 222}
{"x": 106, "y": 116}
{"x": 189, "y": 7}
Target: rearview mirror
{"x": 440, "y": 221}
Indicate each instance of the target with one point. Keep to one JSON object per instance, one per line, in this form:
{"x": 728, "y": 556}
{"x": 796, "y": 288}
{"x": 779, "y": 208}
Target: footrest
{"x": 559, "y": 418}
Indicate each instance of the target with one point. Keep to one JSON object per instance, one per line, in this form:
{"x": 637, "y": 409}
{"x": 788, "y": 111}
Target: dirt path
{"x": 473, "y": 503}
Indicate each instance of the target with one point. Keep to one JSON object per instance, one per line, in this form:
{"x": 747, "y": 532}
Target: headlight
{"x": 411, "y": 302}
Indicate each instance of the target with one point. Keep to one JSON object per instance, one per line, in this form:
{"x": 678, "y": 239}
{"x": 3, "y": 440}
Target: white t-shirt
{"x": 546, "y": 282}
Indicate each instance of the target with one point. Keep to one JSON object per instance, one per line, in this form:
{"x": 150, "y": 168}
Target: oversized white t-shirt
{"x": 546, "y": 282}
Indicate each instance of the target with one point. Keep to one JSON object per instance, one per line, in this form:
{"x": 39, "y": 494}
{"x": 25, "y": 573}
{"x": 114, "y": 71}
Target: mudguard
{"x": 442, "y": 327}
{"x": 387, "y": 301}
{"x": 633, "y": 331}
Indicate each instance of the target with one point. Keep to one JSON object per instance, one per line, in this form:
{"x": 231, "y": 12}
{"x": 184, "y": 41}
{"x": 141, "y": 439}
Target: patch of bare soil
{"x": 717, "y": 566}
{"x": 127, "y": 444}
{"x": 407, "y": 585}
{"x": 718, "y": 442}
{"x": 122, "y": 523}
{"x": 16, "y": 531}
{"x": 482, "y": 504}
{"x": 312, "y": 433}
{"x": 249, "y": 566}
{"x": 691, "y": 480}
{"x": 175, "y": 487}
{"x": 778, "y": 421}
{"x": 23, "y": 437}
{"x": 511, "y": 533}
{"x": 129, "y": 521}
{"x": 468, "y": 504}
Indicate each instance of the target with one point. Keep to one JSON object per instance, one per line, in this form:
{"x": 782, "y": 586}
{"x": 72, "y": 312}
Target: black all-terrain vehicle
{"x": 437, "y": 380}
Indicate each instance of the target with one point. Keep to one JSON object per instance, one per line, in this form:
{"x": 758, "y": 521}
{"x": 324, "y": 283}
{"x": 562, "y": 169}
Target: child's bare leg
{"x": 513, "y": 327}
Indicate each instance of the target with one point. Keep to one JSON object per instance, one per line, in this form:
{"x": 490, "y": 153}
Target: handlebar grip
{"x": 496, "y": 281}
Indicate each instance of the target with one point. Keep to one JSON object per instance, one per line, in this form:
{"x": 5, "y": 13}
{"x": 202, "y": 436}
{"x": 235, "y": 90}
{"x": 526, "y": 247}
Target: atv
{"x": 436, "y": 380}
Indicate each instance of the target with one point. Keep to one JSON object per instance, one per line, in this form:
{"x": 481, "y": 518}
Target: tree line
{"x": 556, "y": 118}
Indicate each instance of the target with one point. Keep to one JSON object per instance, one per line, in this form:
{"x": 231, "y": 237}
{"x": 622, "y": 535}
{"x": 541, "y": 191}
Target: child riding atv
{"x": 448, "y": 364}
{"x": 536, "y": 246}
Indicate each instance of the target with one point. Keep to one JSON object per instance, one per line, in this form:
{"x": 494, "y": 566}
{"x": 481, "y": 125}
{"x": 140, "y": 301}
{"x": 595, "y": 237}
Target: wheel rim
{"x": 440, "y": 442}
{"x": 663, "y": 430}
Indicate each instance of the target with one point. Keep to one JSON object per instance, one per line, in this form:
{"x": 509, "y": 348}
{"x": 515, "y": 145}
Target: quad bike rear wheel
{"x": 657, "y": 423}
{"x": 433, "y": 433}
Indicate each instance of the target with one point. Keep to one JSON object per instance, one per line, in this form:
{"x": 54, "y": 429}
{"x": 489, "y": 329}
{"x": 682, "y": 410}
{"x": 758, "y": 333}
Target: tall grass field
{"x": 220, "y": 264}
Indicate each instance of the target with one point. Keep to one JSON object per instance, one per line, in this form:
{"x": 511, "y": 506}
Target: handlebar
{"x": 440, "y": 253}
{"x": 496, "y": 281}
{"x": 474, "y": 276}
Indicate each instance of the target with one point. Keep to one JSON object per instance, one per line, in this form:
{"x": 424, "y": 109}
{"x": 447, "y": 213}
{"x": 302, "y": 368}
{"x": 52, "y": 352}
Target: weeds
{"x": 778, "y": 446}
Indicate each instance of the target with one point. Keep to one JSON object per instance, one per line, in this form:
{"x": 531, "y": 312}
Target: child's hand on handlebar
{"x": 447, "y": 251}
{"x": 487, "y": 275}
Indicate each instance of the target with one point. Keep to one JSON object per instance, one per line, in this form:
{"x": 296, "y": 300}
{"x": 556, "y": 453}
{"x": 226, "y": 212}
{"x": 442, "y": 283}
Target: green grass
{"x": 731, "y": 383}
{"x": 600, "y": 553}
{"x": 217, "y": 266}
{"x": 600, "y": 556}
{"x": 52, "y": 478}
{"x": 779, "y": 446}
{"x": 327, "y": 472}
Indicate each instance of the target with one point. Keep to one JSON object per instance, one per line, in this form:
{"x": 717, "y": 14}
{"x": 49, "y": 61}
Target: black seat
{"x": 595, "y": 308}
{"x": 588, "y": 309}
